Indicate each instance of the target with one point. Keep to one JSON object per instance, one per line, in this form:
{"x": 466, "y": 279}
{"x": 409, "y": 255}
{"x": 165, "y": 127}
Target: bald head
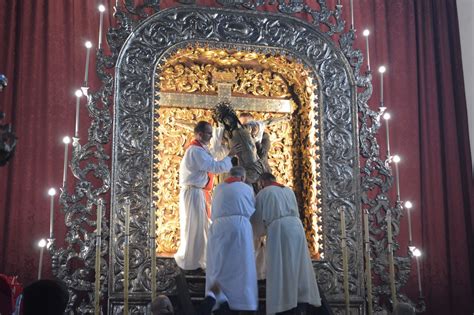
{"x": 237, "y": 171}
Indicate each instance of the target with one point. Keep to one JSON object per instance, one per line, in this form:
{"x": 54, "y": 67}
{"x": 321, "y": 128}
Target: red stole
{"x": 210, "y": 182}
{"x": 232, "y": 179}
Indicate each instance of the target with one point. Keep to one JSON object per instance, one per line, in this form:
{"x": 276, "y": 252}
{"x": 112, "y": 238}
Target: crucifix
{"x": 224, "y": 82}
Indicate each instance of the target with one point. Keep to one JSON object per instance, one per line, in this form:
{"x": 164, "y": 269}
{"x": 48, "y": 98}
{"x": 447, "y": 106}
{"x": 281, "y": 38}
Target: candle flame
{"x": 386, "y": 116}
{"x": 101, "y": 8}
{"x": 42, "y": 243}
{"x": 66, "y": 140}
{"x": 408, "y": 205}
{"x": 52, "y": 192}
{"x": 382, "y": 69}
{"x": 366, "y": 33}
{"x": 416, "y": 252}
{"x": 88, "y": 45}
{"x": 396, "y": 158}
{"x": 78, "y": 93}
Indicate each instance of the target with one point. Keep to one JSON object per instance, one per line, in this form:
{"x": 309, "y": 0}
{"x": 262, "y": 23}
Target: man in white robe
{"x": 289, "y": 271}
{"x": 195, "y": 175}
{"x": 230, "y": 251}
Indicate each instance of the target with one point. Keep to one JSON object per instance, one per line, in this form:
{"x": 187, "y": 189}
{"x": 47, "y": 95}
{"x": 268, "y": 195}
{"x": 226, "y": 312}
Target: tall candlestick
{"x": 78, "y": 94}
{"x": 391, "y": 263}
{"x": 408, "y": 206}
{"x": 101, "y": 22}
{"x": 352, "y": 15}
{"x": 366, "y": 34}
{"x": 51, "y": 193}
{"x": 153, "y": 253}
{"x": 66, "y": 141}
{"x": 368, "y": 265}
{"x": 396, "y": 159}
{"x": 382, "y": 70}
{"x": 125, "y": 257}
{"x": 417, "y": 254}
{"x": 98, "y": 248}
{"x": 345, "y": 263}
{"x": 386, "y": 117}
{"x": 41, "y": 244}
{"x": 88, "y": 52}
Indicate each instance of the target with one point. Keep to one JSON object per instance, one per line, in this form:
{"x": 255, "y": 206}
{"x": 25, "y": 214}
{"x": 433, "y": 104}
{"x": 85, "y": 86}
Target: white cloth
{"x": 230, "y": 251}
{"x": 289, "y": 271}
{"x": 216, "y": 148}
{"x": 196, "y": 163}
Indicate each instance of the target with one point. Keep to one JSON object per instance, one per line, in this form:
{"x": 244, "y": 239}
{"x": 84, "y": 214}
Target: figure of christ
{"x": 195, "y": 178}
{"x": 260, "y": 136}
{"x": 236, "y": 134}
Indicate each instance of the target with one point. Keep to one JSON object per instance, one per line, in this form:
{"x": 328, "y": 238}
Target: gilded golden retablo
{"x": 293, "y": 157}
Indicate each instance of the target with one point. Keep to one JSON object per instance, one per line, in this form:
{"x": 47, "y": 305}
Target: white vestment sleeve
{"x": 203, "y": 161}
{"x": 217, "y": 149}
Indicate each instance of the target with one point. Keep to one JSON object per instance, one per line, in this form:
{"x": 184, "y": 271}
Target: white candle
{"x": 41, "y": 244}
{"x": 66, "y": 141}
{"x": 382, "y": 70}
{"x": 397, "y": 159}
{"x": 391, "y": 263}
{"x": 51, "y": 193}
{"x": 101, "y": 22}
{"x": 408, "y": 206}
{"x": 368, "y": 265}
{"x": 352, "y": 15}
{"x": 97, "y": 256}
{"x": 78, "y": 94}
{"x": 86, "y": 74}
{"x": 153, "y": 253}
{"x": 366, "y": 34}
{"x": 125, "y": 256}
{"x": 386, "y": 117}
{"x": 417, "y": 254}
{"x": 345, "y": 262}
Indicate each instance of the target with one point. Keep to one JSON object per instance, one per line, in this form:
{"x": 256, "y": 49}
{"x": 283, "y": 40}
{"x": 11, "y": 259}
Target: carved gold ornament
{"x": 293, "y": 156}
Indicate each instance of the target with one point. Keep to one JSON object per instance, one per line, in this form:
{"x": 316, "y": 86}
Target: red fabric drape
{"x": 43, "y": 56}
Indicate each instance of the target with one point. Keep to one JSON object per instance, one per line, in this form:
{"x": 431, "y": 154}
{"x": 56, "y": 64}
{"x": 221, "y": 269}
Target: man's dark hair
{"x": 45, "y": 297}
{"x": 267, "y": 176}
{"x": 201, "y": 126}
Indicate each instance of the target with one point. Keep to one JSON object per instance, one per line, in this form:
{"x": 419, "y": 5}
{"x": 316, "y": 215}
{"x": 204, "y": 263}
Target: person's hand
{"x": 235, "y": 149}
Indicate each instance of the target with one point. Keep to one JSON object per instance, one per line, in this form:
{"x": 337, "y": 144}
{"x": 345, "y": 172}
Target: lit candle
{"x": 125, "y": 256}
{"x": 352, "y": 15}
{"x": 382, "y": 70}
{"x": 78, "y": 94}
{"x": 345, "y": 263}
{"x": 88, "y": 52}
{"x": 368, "y": 265}
{"x": 101, "y": 22}
{"x": 51, "y": 193}
{"x": 98, "y": 241}
{"x": 366, "y": 34}
{"x": 408, "y": 206}
{"x": 417, "y": 254}
{"x": 66, "y": 141}
{"x": 42, "y": 245}
{"x": 387, "y": 117}
{"x": 391, "y": 264}
{"x": 397, "y": 159}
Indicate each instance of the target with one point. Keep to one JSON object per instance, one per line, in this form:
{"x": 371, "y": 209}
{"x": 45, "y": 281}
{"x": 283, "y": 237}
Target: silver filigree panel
{"x": 133, "y": 122}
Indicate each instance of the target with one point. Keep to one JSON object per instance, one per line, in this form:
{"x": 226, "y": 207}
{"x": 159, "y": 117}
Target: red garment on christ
{"x": 210, "y": 183}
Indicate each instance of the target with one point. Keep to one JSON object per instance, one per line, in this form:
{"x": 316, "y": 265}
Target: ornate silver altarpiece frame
{"x": 354, "y": 176}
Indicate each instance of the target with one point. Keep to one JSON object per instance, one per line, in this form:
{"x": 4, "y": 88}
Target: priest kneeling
{"x": 230, "y": 250}
{"x": 289, "y": 271}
